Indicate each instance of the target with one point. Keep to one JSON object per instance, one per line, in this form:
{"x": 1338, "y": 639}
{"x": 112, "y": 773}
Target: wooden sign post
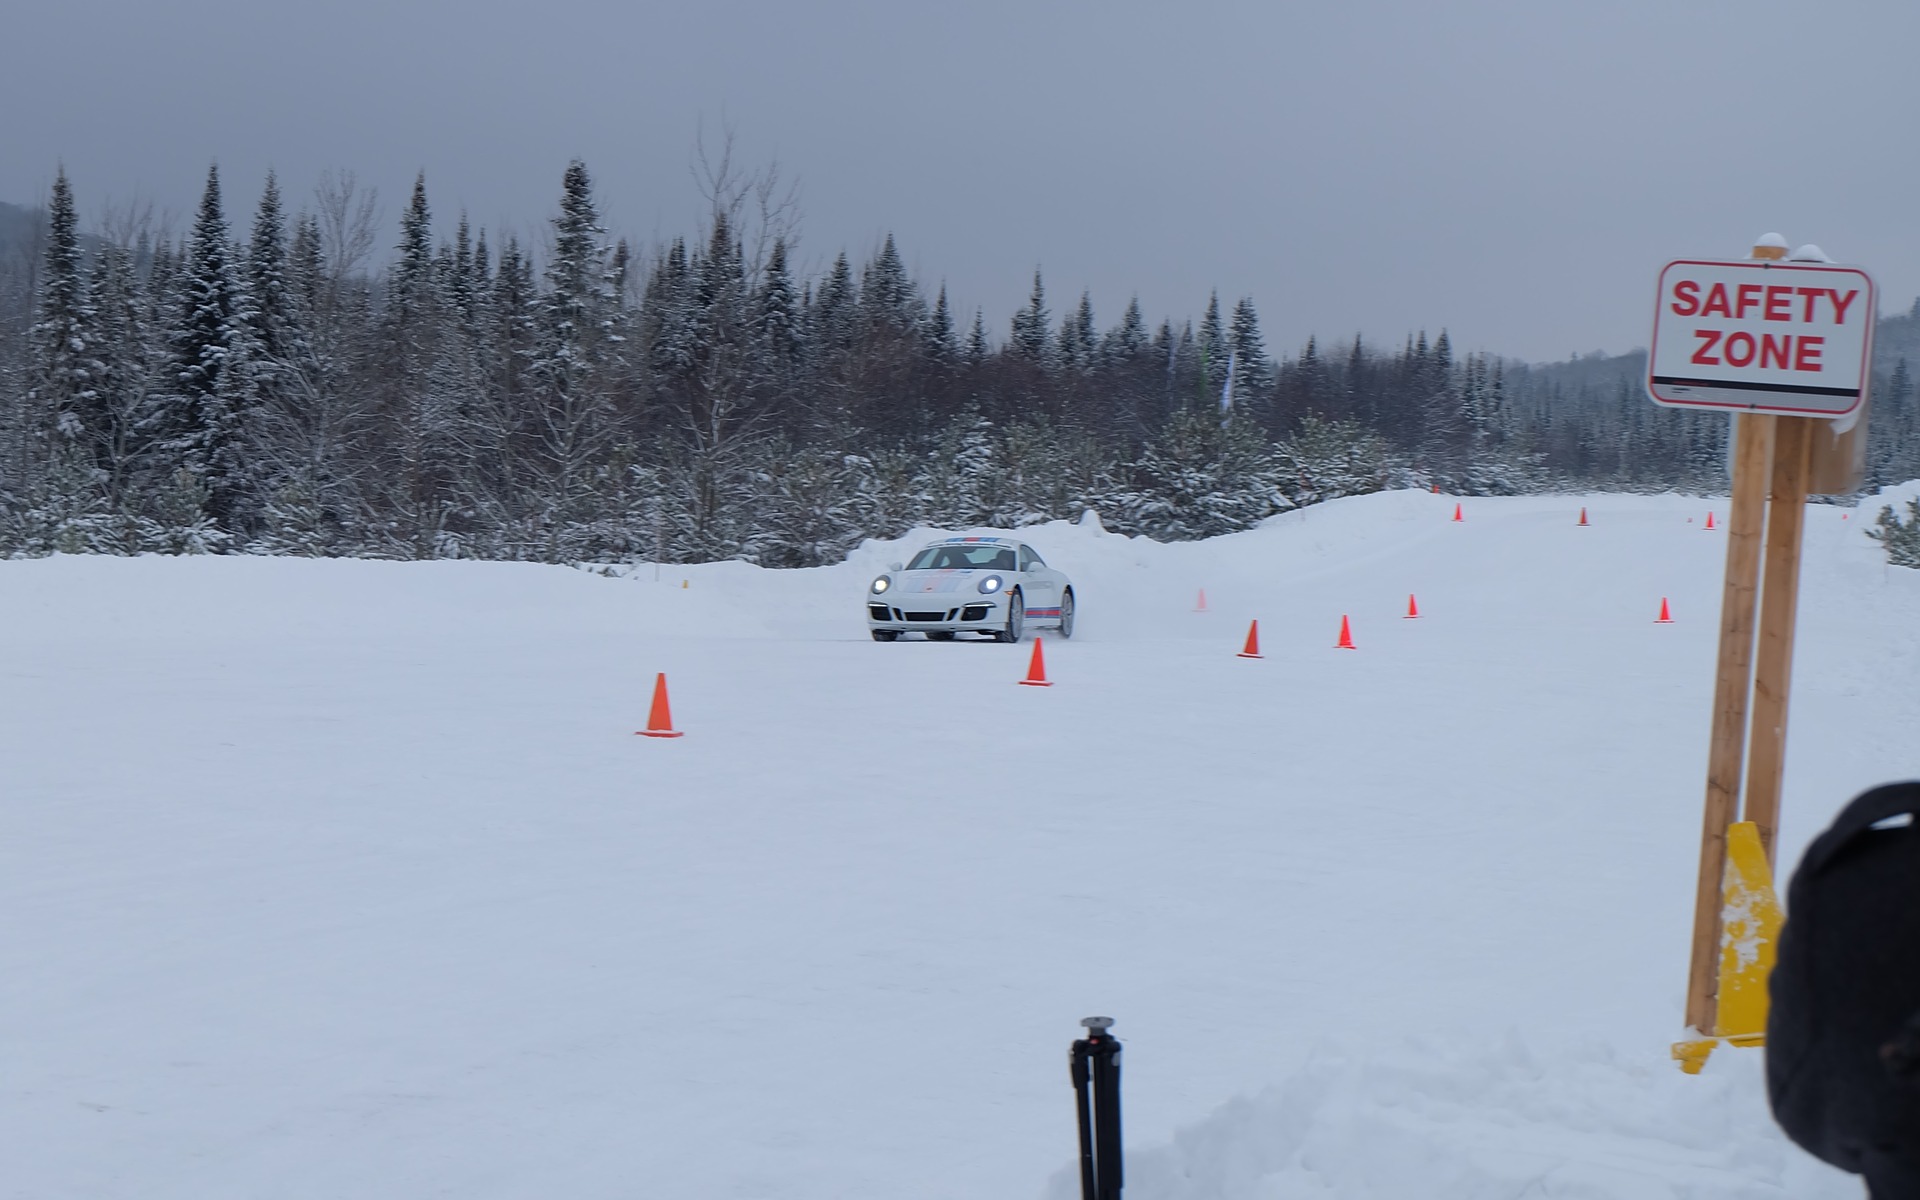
{"x": 1788, "y": 347}
{"x": 1753, "y": 435}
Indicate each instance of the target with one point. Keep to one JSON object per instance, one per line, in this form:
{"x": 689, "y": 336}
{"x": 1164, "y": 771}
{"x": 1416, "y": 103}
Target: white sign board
{"x": 1779, "y": 337}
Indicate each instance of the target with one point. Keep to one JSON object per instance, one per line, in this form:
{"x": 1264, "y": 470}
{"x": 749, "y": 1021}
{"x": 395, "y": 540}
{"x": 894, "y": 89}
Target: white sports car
{"x": 994, "y": 586}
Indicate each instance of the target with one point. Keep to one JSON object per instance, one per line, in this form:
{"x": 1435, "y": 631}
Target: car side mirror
{"x": 893, "y": 566}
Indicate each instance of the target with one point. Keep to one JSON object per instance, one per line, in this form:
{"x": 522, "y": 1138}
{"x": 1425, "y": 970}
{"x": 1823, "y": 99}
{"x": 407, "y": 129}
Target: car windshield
{"x": 963, "y": 557}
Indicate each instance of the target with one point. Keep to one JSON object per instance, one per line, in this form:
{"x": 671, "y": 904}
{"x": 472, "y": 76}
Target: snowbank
{"x": 1393, "y": 1120}
{"x": 335, "y": 878}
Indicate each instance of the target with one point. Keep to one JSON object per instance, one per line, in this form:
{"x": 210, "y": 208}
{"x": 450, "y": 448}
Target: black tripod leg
{"x": 1106, "y": 1102}
{"x": 1081, "y": 1100}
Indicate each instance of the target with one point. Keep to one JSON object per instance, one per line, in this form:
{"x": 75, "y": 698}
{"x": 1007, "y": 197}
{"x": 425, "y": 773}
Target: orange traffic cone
{"x": 1456, "y": 513}
{"x": 1413, "y": 610}
{"x": 1202, "y": 605}
{"x": 1436, "y": 489}
{"x": 1036, "y": 668}
{"x": 1346, "y": 635}
{"x": 1709, "y": 520}
{"x": 1666, "y": 614}
{"x": 660, "y": 717}
{"x": 1583, "y": 514}
{"x": 1252, "y": 648}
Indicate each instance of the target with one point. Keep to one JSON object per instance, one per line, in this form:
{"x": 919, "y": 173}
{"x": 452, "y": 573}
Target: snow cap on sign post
{"x": 1769, "y": 246}
{"x": 1809, "y": 253}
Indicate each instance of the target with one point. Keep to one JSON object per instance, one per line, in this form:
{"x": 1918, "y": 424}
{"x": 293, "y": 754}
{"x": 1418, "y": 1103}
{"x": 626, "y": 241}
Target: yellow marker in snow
{"x": 1749, "y": 929}
{"x": 1692, "y": 1056}
{"x": 1750, "y": 920}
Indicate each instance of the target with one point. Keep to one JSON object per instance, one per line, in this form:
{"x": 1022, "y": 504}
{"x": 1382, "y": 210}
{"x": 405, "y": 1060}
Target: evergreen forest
{"x": 301, "y": 380}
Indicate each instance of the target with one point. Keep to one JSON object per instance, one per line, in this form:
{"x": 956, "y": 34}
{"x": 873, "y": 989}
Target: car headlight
{"x": 881, "y": 584}
{"x": 991, "y": 584}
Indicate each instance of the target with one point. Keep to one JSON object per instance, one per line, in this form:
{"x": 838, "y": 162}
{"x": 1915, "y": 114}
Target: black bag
{"x": 1843, "y": 1030}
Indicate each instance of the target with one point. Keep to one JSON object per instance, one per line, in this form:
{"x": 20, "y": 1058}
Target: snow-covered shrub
{"x": 1901, "y": 538}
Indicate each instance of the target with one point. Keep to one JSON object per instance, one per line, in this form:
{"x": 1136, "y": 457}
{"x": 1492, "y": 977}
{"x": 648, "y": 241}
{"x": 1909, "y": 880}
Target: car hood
{"x": 948, "y": 582}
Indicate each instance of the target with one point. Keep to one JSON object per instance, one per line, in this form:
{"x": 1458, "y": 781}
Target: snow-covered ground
{"x": 327, "y": 879}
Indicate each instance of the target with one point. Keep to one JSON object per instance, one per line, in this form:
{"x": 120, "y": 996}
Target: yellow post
{"x": 1749, "y": 930}
{"x": 1750, "y": 919}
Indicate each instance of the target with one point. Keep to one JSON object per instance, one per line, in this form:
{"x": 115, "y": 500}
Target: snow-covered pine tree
{"x": 957, "y": 485}
{"x": 579, "y": 345}
{"x": 1031, "y": 335}
{"x": 413, "y": 294}
{"x": 1076, "y": 343}
{"x": 937, "y": 341}
{"x": 977, "y": 348}
{"x": 1202, "y": 478}
{"x": 1186, "y": 376}
{"x": 1125, "y": 343}
{"x": 306, "y": 272}
{"x": 720, "y": 405}
{"x": 1900, "y": 538}
{"x": 62, "y": 499}
{"x": 312, "y": 421}
{"x": 778, "y": 317}
{"x": 502, "y": 436}
{"x": 836, "y": 307}
{"x": 1892, "y": 456}
{"x": 200, "y": 423}
{"x": 1326, "y": 459}
{"x": 1308, "y": 390}
{"x": 126, "y": 356}
{"x": 461, "y": 286}
{"x": 889, "y": 300}
{"x": 813, "y": 504}
{"x": 666, "y": 323}
{"x": 276, "y": 319}
{"x": 1359, "y": 392}
{"x": 720, "y": 316}
{"x": 419, "y": 412}
{"x": 1253, "y": 370}
{"x": 63, "y": 360}
{"x": 1444, "y": 421}
{"x": 295, "y": 395}
{"x": 1126, "y": 379}
{"x": 832, "y": 334}
{"x": 1212, "y": 338}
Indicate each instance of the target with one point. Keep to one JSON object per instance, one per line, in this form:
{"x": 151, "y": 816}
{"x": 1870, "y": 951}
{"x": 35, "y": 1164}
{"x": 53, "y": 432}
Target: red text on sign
{"x": 1786, "y": 351}
{"x": 1769, "y": 302}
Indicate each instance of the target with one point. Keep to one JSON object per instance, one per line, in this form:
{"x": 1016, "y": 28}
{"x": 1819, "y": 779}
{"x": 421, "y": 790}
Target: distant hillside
{"x": 1896, "y": 338}
{"x": 19, "y": 229}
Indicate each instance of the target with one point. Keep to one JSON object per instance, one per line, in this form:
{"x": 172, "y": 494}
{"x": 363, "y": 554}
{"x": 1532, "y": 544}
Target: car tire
{"x": 1066, "y": 613}
{"x": 940, "y": 635}
{"x": 884, "y": 635}
{"x": 1016, "y": 618}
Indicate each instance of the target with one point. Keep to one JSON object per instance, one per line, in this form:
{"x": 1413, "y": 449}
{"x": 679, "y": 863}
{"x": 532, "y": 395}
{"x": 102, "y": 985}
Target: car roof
{"x": 991, "y": 541}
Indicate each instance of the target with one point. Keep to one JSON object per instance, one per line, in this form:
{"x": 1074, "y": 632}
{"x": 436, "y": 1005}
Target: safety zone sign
{"x": 1780, "y": 337}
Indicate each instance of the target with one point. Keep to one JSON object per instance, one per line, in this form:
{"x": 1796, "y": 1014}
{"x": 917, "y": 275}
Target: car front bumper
{"x": 916, "y": 615}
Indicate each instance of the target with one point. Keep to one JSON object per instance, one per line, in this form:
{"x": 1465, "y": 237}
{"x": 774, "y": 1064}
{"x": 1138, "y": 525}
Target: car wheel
{"x": 884, "y": 635}
{"x": 940, "y": 636}
{"x": 1066, "y": 614}
{"x": 1016, "y": 618}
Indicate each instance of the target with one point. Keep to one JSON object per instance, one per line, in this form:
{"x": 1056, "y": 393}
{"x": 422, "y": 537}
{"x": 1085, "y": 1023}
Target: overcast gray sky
{"x": 1513, "y": 170}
